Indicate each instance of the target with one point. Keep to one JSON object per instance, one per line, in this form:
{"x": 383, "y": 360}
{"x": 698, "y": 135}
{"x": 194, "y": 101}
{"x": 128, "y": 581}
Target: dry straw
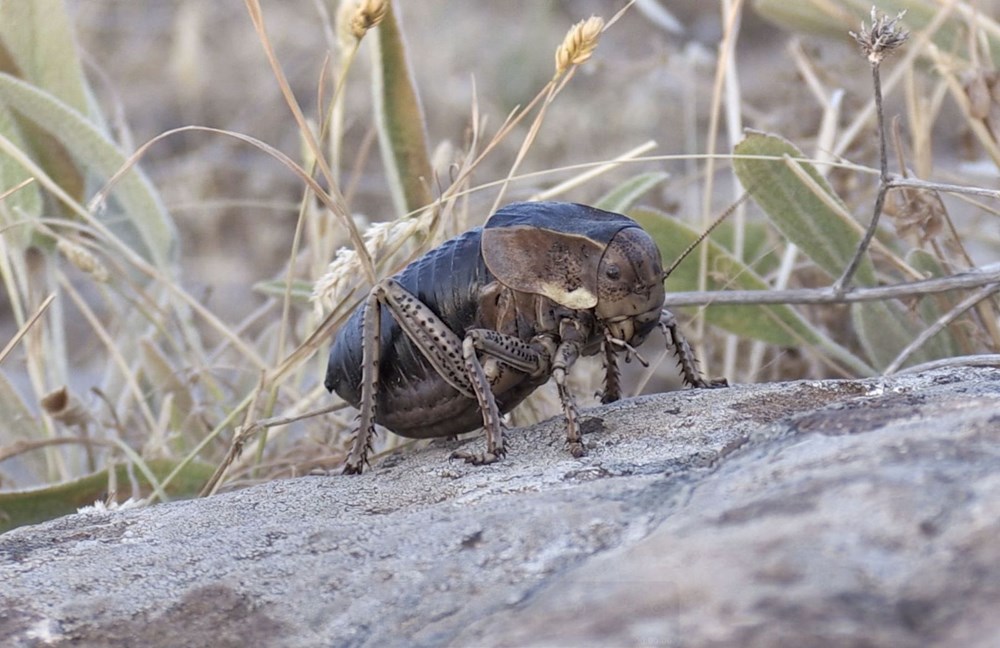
{"x": 579, "y": 44}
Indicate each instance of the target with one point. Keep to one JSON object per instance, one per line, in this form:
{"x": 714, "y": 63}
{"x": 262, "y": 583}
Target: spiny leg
{"x": 685, "y": 356}
{"x": 427, "y": 333}
{"x": 496, "y": 448}
{"x": 566, "y": 354}
{"x": 371, "y": 352}
{"x": 524, "y": 357}
{"x": 456, "y": 360}
{"x": 612, "y": 374}
{"x": 532, "y": 358}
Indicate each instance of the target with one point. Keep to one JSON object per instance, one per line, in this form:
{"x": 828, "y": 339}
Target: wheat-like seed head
{"x": 356, "y": 17}
{"x": 344, "y": 271}
{"x": 328, "y": 288}
{"x": 367, "y": 14}
{"x": 579, "y": 44}
{"x": 83, "y": 259}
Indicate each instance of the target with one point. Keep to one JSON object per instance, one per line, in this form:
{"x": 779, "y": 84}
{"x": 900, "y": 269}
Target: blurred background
{"x": 167, "y": 63}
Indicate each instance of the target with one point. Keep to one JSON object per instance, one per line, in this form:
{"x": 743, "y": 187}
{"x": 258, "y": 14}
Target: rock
{"x": 834, "y": 512}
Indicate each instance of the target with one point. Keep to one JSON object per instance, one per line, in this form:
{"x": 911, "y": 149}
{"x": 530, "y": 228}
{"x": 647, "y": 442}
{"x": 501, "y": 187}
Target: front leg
{"x": 685, "y": 356}
{"x": 571, "y": 342}
{"x": 531, "y": 359}
{"x": 612, "y": 374}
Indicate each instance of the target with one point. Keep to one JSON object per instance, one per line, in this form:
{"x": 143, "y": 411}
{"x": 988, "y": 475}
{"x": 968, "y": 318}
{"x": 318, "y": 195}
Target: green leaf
{"x": 800, "y": 203}
{"x": 760, "y": 251}
{"x": 399, "y": 118}
{"x": 18, "y": 508}
{"x": 144, "y": 222}
{"x": 37, "y": 45}
{"x": 623, "y": 197}
{"x": 776, "y": 324}
{"x": 40, "y": 47}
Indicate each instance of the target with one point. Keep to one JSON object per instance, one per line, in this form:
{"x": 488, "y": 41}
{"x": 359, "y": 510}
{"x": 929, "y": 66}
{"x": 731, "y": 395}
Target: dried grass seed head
{"x": 344, "y": 272}
{"x": 884, "y": 36}
{"x": 356, "y": 17}
{"x": 579, "y": 44}
{"x": 83, "y": 259}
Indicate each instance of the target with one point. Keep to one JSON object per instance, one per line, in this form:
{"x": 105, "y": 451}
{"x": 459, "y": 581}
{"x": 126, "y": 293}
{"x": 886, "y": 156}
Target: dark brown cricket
{"x": 464, "y": 333}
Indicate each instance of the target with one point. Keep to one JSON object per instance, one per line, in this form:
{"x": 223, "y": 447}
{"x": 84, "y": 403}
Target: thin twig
{"x": 245, "y": 432}
{"x": 963, "y": 280}
{"x": 876, "y": 43}
{"x": 899, "y": 181}
{"x": 936, "y": 327}
{"x": 285, "y": 420}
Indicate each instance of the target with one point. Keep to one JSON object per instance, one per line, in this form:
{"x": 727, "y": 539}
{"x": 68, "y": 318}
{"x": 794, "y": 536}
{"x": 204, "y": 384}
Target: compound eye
{"x": 612, "y": 272}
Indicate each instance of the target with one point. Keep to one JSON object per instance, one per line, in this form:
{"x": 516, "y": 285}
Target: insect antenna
{"x": 742, "y": 199}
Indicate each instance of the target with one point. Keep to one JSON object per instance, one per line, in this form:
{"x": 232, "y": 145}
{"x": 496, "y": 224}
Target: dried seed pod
{"x": 66, "y": 408}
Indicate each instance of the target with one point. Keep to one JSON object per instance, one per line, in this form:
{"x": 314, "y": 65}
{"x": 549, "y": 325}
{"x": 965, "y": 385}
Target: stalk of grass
{"x": 24, "y": 328}
{"x": 576, "y": 48}
{"x": 732, "y": 14}
{"x": 335, "y": 200}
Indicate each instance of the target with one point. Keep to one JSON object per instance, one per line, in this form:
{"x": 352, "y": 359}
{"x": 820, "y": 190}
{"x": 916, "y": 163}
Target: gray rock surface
{"x": 793, "y": 514}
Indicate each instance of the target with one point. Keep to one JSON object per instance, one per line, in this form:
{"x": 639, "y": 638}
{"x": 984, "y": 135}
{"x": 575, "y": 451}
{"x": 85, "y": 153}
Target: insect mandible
{"x": 463, "y": 334}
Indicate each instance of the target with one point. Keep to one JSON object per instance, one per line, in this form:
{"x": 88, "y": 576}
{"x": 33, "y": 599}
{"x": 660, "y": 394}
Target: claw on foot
{"x": 576, "y": 449}
{"x": 480, "y": 458}
{"x": 352, "y": 470}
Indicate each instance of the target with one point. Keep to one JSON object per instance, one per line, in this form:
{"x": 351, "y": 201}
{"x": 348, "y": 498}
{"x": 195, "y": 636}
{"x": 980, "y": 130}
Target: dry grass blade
{"x": 21, "y": 447}
{"x": 594, "y": 172}
{"x": 22, "y": 331}
{"x": 13, "y": 190}
{"x": 114, "y": 352}
{"x": 335, "y": 201}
